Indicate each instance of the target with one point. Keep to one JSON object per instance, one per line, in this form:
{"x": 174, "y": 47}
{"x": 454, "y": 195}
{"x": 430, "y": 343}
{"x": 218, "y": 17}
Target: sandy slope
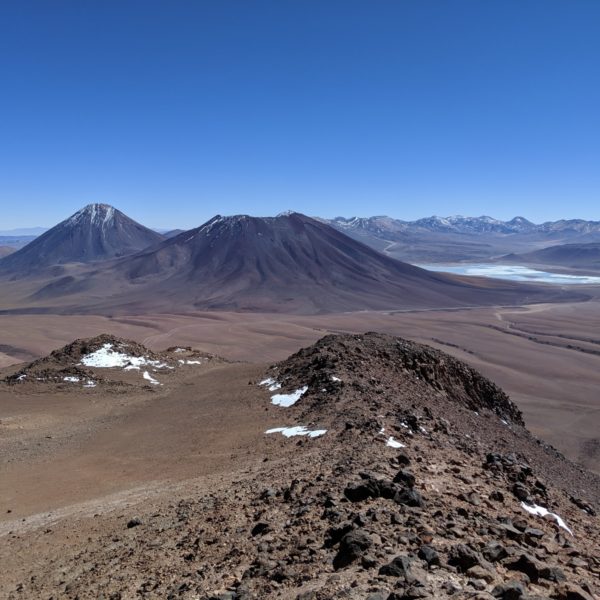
{"x": 70, "y": 447}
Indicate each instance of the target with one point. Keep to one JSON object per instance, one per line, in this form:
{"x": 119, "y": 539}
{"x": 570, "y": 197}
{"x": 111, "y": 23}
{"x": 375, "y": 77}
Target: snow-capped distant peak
{"x": 217, "y": 225}
{"x": 95, "y": 214}
{"x": 220, "y": 224}
{"x": 95, "y": 232}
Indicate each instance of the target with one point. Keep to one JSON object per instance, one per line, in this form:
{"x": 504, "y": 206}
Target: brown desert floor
{"x": 547, "y": 357}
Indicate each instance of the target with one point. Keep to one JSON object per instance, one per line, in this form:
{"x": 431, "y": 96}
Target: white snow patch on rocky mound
{"x": 393, "y": 443}
{"x": 286, "y": 400}
{"x": 297, "y": 430}
{"x": 272, "y": 383}
{"x": 107, "y": 358}
{"x": 540, "y": 511}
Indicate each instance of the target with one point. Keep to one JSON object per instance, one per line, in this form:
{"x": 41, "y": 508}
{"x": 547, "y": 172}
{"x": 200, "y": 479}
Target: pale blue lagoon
{"x": 514, "y": 273}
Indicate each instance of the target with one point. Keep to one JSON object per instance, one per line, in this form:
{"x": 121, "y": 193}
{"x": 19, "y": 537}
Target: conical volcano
{"x": 96, "y": 232}
{"x": 292, "y": 263}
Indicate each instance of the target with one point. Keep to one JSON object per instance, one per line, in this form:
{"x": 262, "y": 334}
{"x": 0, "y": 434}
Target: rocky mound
{"x": 377, "y": 383}
{"x": 383, "y": 365}
{"x": 470, "y": 505}
{"x": 95, "y": 360}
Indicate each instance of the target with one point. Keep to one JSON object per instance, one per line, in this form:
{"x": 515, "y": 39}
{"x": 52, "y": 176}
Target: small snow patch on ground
{"x": 286, "y": 400}
{"x": 179, "y": 350}
{"x": 89, "y": 384}
{"x": 540, "y": 511}
{"x": 21, "y": 377}
{"x": 189, "y": 362}
{"x": 334, "y": 378}
{"x": 151, "y": 379}
{"x": 297, "y": 430}
{"x": 272, "y": 383}
{"x": 392, "y": 443}
{"x": 71, "y": 379}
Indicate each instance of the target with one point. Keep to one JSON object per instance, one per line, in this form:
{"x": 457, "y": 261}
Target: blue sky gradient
{"x": 173, "y": 111}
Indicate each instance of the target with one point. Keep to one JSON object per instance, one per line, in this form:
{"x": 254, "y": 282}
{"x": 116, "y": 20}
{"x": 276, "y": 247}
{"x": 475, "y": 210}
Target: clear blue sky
{"x": 176, "y": 110}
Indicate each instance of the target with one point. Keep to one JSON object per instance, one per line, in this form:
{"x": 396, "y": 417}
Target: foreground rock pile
{"x": 426, "y": 485}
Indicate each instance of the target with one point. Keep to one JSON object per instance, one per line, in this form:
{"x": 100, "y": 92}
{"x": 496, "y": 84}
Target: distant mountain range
{"x": 458, "y": 239}
{"x": 101, "y": 258}
{"x": 290, "y": 263}
{"x": 465, "y": 225}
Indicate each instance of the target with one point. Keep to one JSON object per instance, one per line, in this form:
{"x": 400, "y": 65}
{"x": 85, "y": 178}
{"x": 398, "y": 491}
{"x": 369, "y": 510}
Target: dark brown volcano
{"x": 96, "y": 232}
